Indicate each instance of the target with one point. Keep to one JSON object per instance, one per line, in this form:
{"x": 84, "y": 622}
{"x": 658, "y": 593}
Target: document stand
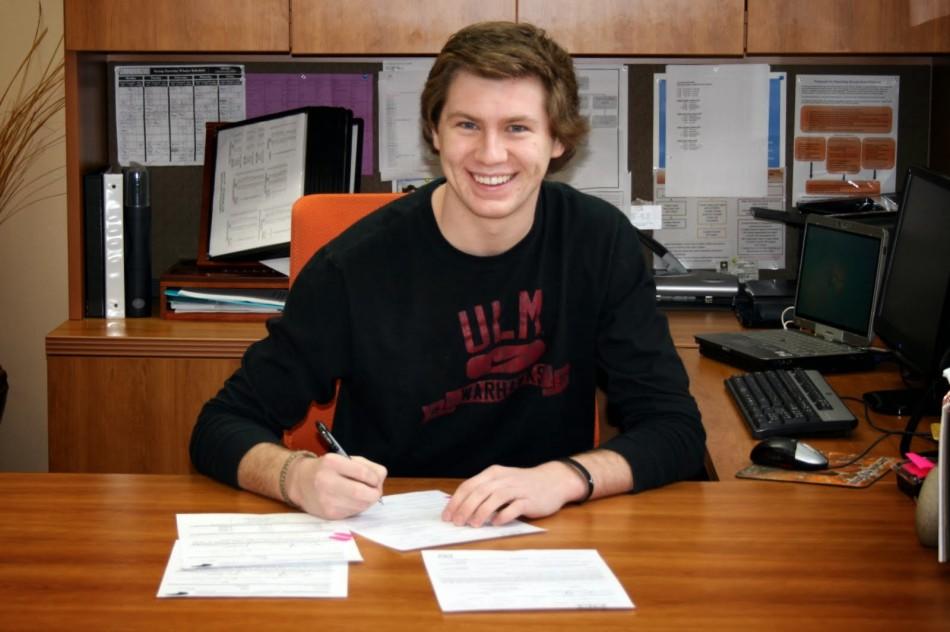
{"x": 205, "y": 272}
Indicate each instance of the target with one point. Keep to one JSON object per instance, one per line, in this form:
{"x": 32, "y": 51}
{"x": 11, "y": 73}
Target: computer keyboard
{"x": 799, "y": 343}
{"x": 789, "y": 402}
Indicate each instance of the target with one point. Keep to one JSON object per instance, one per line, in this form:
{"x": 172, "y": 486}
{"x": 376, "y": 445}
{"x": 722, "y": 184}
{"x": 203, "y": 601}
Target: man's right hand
{"x": 334, "y": 486}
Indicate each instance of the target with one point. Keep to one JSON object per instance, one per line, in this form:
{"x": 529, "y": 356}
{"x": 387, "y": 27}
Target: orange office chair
{"x": 315, "y": 220}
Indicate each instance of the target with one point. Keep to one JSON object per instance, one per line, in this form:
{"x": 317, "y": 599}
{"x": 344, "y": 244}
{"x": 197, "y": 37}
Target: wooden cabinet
{"x": 124, "y": 395}
{"x": 640, "y": 27}
{"x": 379, "y": 27}
{"x": 177, "y": 25}
{"x": 848, "y": 26}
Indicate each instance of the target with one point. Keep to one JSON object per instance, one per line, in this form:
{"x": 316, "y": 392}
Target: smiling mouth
{"x": 493, "y": 180}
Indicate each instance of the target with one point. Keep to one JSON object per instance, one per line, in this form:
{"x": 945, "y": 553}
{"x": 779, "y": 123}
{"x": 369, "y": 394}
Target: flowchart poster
{"x": 845, "y": 136}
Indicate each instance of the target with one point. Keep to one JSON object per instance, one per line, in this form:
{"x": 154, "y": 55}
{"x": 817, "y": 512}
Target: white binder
{"x": 113, "y": 206}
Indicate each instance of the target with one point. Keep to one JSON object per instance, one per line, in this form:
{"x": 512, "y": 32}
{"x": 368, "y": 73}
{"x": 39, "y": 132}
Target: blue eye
{"x": 518, "y": 129}
{"x": 467, "y": 125}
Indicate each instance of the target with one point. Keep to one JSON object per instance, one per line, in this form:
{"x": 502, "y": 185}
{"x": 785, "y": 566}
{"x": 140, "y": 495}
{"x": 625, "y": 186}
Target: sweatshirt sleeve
{"x": 298, "y": 361}
{"x": 661, "y": 435}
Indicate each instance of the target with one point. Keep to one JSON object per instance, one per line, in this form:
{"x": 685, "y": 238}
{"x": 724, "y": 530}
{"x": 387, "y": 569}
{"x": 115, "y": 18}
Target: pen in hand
{"x": 332, "y": 443}
{"x": 330, "y": 440}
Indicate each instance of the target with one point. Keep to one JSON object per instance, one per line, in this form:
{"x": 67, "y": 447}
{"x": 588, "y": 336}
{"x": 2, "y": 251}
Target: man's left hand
{"x": 500, "y": 494}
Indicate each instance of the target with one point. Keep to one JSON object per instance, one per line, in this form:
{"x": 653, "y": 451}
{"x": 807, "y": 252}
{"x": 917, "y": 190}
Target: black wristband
{"x": 584, "y": 474}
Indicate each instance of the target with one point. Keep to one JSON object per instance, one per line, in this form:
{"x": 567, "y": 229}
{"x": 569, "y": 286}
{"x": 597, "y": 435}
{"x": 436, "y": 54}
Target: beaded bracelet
{"x": 584, "y": 474}
{"x": 282, "y": 481}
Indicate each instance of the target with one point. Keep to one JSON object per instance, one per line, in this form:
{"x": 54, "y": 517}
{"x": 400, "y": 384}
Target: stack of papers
{"x": 297, "y": 555}
{"x": 266, "y": 555}
{"x": 238, "y": 300}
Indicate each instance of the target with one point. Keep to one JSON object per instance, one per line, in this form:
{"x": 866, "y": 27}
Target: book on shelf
{"x": 234, "y": 300}
{"x": 187, "y": 282}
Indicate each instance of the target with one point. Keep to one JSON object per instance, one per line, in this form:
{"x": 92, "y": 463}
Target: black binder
{"x": 94, "y": 238}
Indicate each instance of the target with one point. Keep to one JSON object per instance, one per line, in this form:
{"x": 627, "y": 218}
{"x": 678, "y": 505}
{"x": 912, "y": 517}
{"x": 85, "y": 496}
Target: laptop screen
{"x": 838, "y": 278}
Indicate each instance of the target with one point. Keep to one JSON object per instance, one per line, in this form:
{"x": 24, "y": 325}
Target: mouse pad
{"x": 859, "y": 474}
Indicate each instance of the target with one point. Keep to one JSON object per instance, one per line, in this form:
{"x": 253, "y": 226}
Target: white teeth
{"x": 492, "y": 180}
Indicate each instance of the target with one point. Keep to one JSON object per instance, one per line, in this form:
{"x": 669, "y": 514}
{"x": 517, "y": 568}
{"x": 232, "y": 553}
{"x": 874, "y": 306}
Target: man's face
{"x": 495, "y": 144}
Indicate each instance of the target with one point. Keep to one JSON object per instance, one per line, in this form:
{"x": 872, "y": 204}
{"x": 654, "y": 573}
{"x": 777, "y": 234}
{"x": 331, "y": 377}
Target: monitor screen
{"x": 840, "y": 267}
{"x": 912, "y": 313}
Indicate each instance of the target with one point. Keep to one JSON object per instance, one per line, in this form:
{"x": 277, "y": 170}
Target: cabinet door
{"x": 382, "y": 27}
{"x": 128, "y": 414}
{"x": 178, "y": 25}
{"x": 640, "y": 27}
{"x": 849, "y": 26}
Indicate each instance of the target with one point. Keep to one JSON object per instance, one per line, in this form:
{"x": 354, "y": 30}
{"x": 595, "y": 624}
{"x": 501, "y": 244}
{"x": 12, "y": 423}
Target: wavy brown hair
{"x": 506, "y": 50}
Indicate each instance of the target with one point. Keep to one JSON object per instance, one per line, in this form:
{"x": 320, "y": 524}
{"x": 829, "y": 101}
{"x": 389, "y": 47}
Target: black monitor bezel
{"x": 886, "y": 329}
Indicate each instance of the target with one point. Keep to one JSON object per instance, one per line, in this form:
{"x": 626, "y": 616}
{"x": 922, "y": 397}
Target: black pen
{"x": 330, "y": 440}
{"x": 332, "y": 443}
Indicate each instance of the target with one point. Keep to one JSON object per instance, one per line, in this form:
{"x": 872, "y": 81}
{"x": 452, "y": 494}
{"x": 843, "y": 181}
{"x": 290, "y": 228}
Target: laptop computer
{"x": 838, "y": 283}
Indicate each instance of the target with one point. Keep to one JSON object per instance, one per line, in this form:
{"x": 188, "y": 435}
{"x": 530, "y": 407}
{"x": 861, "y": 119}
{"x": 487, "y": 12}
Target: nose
{"x": 492, "y": 148}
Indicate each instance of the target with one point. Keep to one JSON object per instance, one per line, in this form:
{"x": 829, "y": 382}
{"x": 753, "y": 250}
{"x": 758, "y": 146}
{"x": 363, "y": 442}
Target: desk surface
{"x": 87, "y": 551}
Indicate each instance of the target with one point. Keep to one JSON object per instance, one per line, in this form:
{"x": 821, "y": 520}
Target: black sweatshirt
{"x": 451, "y": 362}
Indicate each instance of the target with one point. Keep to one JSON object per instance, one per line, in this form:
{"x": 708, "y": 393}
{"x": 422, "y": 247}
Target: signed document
{"x": 410, "y": 521}
{"x": 537, "y": 579}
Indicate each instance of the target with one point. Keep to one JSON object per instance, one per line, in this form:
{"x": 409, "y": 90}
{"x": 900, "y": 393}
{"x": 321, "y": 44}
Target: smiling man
{"x": 470, "y": 323}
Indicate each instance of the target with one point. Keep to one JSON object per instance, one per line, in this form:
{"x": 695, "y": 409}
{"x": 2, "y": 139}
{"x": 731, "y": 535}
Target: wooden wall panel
{"x": 640, "y": 27}
{"x": 178, "y": 25}
{"x": 377, "y": 27}
{"x": 848, "y": 26}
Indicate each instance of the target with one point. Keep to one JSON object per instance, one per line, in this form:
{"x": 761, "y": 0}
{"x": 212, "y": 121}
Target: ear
{"x": 557, "y": 150}
{"x": 435, "y": 139}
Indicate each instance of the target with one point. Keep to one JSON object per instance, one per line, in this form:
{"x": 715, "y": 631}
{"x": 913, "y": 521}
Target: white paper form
{"x": 221, "y": 540}
{"x": 705, "y": 231}
{"x": 845, "y": 136}
{"x": 717, "y": 130}
{"x": 600, "y": 165}
{"x": 402, "y": 151}
{"x": 281, "y": 580}
{"x": 557, "y": 579}
{"x": 258, "y": 175}
{"x": 410, "y": 521}
{"x": 161, "y": 111}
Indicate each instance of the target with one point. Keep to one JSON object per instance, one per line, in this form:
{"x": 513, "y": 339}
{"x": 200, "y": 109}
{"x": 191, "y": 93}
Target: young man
{"x": 470, "y": 322}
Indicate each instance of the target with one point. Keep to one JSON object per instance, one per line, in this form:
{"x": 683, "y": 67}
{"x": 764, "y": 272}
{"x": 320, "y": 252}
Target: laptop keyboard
{"x": 789, "y": 402}
{"x": 799, "y": 344}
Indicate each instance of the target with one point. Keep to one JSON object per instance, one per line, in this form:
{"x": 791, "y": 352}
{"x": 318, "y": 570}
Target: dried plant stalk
{"x": 26, "y": 108}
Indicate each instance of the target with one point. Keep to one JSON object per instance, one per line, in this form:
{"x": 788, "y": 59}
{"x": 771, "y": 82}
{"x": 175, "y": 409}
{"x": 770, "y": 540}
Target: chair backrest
{"x": 318, "y": 218}
{"x": 315, "y": 220}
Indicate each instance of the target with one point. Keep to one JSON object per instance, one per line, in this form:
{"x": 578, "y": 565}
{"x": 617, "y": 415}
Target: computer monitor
{"x": 913, "y": 316}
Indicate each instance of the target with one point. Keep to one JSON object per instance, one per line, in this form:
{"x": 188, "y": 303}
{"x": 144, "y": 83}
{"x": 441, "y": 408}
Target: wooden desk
{"x": 87, "y": 552}
{"x": 729, "y": 442}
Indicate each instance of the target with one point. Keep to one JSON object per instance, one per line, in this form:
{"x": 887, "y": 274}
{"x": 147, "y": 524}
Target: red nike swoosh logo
{"x": 507, "y": 359}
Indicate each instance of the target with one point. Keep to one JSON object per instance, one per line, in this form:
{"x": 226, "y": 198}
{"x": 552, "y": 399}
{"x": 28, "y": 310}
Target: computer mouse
{"x": 788, "y": 453}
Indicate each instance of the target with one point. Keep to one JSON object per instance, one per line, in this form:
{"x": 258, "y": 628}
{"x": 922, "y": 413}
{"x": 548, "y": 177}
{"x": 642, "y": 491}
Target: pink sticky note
{"x": 919, "y": 466}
